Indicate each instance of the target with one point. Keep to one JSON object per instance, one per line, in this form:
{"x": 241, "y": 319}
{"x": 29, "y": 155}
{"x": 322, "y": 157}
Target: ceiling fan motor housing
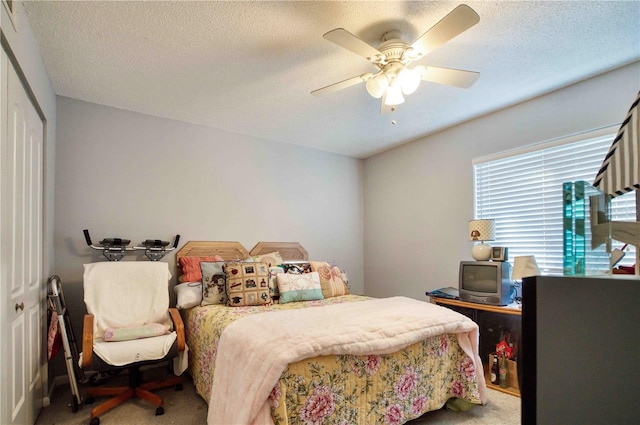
{"x": 393, "y": 51}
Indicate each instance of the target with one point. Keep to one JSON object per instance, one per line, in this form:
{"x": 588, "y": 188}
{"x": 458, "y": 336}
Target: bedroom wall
{"x": 419, "y": 196}
{"x": 134, "y": 176}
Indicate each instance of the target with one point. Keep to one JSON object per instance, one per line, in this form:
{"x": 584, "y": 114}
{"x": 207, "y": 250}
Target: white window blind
{"x": 523, "y": 194}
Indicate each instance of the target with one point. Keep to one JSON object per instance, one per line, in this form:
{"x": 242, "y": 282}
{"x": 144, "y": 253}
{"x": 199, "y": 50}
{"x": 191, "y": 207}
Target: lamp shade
{"x": 409, "y": 80}
{"x": 377, "y": 85}
{"x": 482, "y": 230}
{"x": 524, "y": 266}
{"x": 394, "y": 95}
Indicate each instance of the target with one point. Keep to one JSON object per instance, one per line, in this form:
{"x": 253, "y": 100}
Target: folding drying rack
{"x": 58, "y": 304}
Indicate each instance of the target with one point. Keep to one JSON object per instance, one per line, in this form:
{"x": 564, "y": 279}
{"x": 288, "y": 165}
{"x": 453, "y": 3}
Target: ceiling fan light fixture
{"x": 394, "y": 95}
{"x": 391, "y": 58}
{"x": 377, "y": 85}
{"x": 409, "y": 80}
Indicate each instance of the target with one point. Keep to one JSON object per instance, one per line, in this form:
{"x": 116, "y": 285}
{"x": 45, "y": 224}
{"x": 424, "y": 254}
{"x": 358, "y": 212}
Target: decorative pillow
{"x": 345, "y": 278}
{"x": 297, "y": 267}
{"x": 344, "y": 275}
{"x": 273, "y": 282}
{"x": 272, "y": 259}
{"x": 330, "y": 279}
{"x": 299, "y": 287}
{"x": 135, "y": 332}
{"x": 189, "y": 294}
{"x": 247, "y": 283}
{"x": 213, "y": 283}
{"x": 191, "y": 267}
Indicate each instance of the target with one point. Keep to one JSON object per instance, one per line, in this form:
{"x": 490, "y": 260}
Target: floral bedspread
{"x": 343, "y": 389}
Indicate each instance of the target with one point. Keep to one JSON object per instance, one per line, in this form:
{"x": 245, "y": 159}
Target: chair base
{"x": 134, "y": 389}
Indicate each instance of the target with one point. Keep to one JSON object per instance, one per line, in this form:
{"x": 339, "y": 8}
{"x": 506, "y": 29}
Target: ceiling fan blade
{"x": 340, "y": 85}
{"x": 344, "y": 38}
{"x": 448, "y": 76}
{"x": 456, "y": 22}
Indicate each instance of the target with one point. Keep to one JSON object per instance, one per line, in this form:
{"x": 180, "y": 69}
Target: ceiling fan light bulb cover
{"x": 394, "y": 96}
{"x": 409, "y": 80}
{"x": 377, "y": 85}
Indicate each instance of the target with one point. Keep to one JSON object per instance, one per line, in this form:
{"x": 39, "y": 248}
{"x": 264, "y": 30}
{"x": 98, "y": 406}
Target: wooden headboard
{"x": 289, "y": 251}
{"x": 227, "y": 250}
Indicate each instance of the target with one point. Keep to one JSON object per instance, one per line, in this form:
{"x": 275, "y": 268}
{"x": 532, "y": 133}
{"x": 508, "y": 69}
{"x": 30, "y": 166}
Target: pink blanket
{"x": 244, "y": 377}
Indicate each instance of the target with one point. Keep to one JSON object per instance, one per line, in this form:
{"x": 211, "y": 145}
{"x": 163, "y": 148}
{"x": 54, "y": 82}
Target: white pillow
{"x": 189, "y": 294}
{"x": 299, "y": 287}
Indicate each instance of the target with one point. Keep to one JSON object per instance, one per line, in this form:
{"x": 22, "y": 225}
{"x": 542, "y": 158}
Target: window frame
{"x": 544, "y": 239}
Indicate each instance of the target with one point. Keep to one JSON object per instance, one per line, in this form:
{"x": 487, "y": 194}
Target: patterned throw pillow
{"x": 272, "y": 259}
{"x": 247, "y": 283}
{"x": 299, "y": 287}
{"x": 330, "y": 279}
{"x": 273, "y": 282}
{"x": 345, "y": 279}
{"x": 297, "y": 267}
{"x": 191, "y": 267}
{"x": 214, "y": 289}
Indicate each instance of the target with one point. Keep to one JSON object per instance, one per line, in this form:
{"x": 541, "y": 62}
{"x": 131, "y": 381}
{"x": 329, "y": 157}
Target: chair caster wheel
{"x": 95, "y": 421}
{"x": 160, "y": 411}
{"x": 89, "y": 400}
{"x": 178, "y": 387}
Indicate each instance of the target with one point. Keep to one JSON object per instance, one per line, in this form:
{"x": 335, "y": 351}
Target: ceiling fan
{"x": 394, "y": 78}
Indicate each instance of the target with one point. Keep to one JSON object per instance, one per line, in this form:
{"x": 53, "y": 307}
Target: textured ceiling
{"x": 249, "y": 67}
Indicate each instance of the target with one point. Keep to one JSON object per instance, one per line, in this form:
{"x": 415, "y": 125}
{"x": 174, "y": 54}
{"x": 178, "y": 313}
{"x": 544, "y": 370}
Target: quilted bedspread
{"x": 374, "y": 361}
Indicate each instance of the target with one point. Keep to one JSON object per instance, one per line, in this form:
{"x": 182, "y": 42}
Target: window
{"x": 522, "y": 191}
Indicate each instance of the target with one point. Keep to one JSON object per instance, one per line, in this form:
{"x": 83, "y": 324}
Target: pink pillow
{"x": 330, "y": 279}
{"x": 191, "y": 267}
{"x": 135, "y": 332}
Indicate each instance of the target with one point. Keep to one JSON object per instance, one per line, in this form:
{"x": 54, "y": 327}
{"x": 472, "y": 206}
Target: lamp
{"x": 409, "y": 80}
{"x": 377, "y": 85}
{"x": 392, "y": 82}
{"x": 481, "y": 230}
{"x": 524, "y": 266}
{"x": 394, "y": 94}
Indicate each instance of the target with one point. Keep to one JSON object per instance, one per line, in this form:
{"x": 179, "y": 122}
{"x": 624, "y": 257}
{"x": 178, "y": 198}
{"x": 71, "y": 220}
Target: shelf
{"x": 509, "y": 390}
{"x": 514, "y": 309}
{"x": 513, "y": 314}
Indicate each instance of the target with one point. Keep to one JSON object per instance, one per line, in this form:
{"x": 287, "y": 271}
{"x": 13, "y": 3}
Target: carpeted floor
{"x": 188, "y": 408}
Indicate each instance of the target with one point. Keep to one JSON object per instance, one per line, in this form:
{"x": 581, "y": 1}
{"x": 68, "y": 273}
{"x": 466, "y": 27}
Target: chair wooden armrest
{"x": 178, "y": 325}
{"x": 87, "y": 340}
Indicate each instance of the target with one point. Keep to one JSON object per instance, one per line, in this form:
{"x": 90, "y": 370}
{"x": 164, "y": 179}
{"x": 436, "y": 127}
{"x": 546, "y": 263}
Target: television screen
{"x": 480, "y": 278}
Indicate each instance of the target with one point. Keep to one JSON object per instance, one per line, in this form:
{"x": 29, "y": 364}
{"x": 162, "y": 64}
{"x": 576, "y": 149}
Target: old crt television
{"x": 485, "y": 282}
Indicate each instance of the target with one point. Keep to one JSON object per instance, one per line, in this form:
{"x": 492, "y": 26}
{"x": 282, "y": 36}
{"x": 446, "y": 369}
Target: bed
{"x": 345, "y": 359}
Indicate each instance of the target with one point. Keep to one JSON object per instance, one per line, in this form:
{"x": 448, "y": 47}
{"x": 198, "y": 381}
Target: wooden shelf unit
{"x": 471, "y": 310}
{"x": 509, "y": 309}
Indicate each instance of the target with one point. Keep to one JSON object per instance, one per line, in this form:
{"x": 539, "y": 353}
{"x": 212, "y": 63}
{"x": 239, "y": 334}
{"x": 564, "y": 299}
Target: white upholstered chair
{"x": 128, "y": 325}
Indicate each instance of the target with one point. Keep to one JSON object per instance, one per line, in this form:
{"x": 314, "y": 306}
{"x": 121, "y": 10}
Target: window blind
{"x": 522, "y": 192}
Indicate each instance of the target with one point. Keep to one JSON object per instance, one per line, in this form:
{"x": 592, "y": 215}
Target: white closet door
{"x": 21, "y": 280}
